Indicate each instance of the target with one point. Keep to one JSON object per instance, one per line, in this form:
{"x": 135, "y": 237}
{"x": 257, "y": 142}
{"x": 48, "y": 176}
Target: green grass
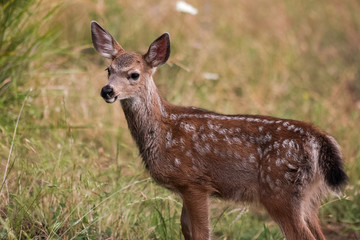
{"x": 74, "y": 171}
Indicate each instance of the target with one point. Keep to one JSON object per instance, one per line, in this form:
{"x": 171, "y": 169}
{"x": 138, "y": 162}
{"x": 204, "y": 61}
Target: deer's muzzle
{"x": 107, "y": 93}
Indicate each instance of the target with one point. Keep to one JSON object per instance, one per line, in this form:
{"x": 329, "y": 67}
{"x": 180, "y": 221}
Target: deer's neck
{"x": 143, "y": 115}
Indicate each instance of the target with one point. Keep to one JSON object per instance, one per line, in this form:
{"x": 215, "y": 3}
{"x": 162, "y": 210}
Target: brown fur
{"x": 286, "y": 165}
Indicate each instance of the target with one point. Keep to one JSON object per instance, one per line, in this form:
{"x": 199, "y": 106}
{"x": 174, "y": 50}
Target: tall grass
{"x": 22, "y": 40}
{"x": 74, "y": 171}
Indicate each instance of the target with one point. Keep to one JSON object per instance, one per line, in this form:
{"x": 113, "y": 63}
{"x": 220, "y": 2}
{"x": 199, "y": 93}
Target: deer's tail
{"x": 331, "y": 163}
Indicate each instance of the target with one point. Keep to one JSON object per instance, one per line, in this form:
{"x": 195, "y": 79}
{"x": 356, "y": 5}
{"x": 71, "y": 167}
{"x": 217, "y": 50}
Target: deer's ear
{"x": 159, "y": 51}
{"x": 103, "y": 42}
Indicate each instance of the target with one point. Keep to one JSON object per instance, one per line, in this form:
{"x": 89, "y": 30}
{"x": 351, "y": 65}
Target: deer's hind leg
{"x": 285, "y": 206}
{"x": 311, "y": 217}
{"x": 314, "y": 226}
{"x": 290, "y": 219}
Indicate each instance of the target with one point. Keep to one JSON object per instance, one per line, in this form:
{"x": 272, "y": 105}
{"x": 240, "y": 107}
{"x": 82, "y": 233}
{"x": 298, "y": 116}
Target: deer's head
{"x": 129, "y": 74}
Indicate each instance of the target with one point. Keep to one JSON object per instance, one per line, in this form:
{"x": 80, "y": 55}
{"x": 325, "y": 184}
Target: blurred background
{"x": 68, "y": 166}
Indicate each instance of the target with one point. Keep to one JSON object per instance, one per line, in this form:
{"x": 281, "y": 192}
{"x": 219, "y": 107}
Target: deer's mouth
{"x": 110, "y": 100}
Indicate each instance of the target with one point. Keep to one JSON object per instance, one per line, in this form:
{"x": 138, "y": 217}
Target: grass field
{"x": 68, "y": 166}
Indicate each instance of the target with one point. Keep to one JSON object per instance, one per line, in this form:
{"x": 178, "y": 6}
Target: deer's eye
{"x": 134, "y": 76}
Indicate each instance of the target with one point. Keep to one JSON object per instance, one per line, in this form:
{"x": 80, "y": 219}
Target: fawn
{"x": 286, "y": 165}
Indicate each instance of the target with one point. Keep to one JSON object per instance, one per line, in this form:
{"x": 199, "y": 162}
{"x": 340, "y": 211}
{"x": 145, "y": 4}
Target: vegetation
{"x": 69, "y": 168}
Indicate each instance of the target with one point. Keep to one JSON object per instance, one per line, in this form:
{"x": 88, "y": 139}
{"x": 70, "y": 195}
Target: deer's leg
{"x": 293, "y": 226}
{"x": 312, "y": 219}
{"x": 290, "y": 219}
{"x": 195, "y": 215}
{"x": 185, "y": 224}
{"x": 314, "y": 226}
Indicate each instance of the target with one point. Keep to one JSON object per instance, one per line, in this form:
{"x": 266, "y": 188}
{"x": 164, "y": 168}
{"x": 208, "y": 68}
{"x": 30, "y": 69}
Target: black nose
{"x": 107, "y": 92}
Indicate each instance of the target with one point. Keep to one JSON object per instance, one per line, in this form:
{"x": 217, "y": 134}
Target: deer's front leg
{"x": 195, "y": 215}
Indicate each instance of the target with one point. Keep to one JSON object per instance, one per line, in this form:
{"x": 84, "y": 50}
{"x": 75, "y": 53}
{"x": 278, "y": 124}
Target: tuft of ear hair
{"x": 159, "y": 51}
{"x": 103, "y": 42}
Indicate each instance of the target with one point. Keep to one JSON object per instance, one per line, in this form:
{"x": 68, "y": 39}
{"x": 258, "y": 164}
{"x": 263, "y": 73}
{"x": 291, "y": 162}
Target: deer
{"x": 286, "y": 165}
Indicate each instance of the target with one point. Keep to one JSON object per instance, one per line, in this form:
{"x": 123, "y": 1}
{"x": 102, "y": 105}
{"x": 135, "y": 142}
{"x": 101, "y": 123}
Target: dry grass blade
{"x": 4, "y": 182}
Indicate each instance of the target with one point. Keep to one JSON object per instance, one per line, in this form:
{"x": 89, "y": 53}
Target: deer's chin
{"x": 110, "y": 100}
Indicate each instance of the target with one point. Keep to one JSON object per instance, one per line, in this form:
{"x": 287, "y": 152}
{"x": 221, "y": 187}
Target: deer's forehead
{"x": 126, "y": 61}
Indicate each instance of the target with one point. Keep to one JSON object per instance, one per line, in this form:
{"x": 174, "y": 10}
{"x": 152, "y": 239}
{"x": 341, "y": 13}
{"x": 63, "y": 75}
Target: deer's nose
{"x": 107, "y": 92}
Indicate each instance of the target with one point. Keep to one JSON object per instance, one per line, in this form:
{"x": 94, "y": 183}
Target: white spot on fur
{"x": 278, "y": 152}
{"x": 243, "y": 137}
{"x": 288, "y": 176}
{"x": 278, "y": 162}
{"x": 188, "y": 153}
{"x": 210, "y": 125}
{"x": 268, "y": 149}
{"x": 188, "y": 127}
{"x": 291, "y": 166}
{"x": 268, "y": 121}
{"x": 252, "y": 158}
{"x": 173, "y": 116}
{"x": 237, "y": 140}
{"x": 267, "y": 137}
{"x": 177, "y": 162}
{"x": 292, "y": 144}
{"x": 288, "y": 154}
{"x": 291, "y": 127}
{"x": 182, "y": 144}
{"x": 195, "y": 137}
{"x": 297, "y": 129}
{"x": 203, "y": 137}
{"x": 261, "y": 128}
{"x": 222, "y": 131}
{"x": 285, "y": 143}
{"x": 213, "y": 137}
{"x": 227, "y": 140}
